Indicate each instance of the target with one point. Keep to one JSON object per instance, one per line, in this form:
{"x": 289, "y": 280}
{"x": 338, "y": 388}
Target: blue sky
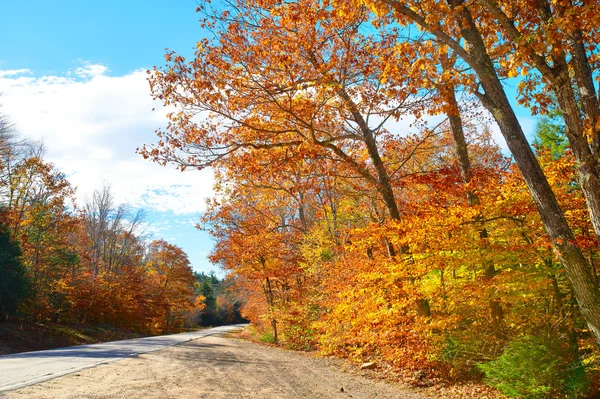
{"x": 49, "y": 36}
{"x": 72, "y": 73}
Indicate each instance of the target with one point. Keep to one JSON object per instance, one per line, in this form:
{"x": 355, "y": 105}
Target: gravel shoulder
{"x": 216, "y": 367}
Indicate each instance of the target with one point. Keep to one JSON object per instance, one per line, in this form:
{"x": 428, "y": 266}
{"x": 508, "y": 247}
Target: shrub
{"x": 534, "y": 368}
{"x": 268, "y": 338}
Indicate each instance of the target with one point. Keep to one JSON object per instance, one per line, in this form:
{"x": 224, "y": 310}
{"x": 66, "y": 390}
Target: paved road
{"x": 23, "y": 369}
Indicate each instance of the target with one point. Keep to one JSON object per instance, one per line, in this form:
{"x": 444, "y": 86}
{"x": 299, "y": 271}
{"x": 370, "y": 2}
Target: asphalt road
{"x": 23, "y": 369}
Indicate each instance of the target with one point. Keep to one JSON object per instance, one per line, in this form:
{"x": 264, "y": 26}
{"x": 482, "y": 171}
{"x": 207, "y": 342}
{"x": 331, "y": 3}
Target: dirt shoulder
{"x": 217, "y": 367}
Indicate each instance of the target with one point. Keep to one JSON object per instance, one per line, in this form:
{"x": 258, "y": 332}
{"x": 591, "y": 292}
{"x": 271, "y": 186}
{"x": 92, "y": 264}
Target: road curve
{"x": 23, "y": 369}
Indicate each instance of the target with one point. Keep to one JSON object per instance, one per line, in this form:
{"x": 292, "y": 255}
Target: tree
{"x": 14, "y": 285}
{"x": 274, "y": 85}
{"x": 550, "y": 134}
{"x": 466, "y": 29}
{"x": 111, "y": 229}
{"x": 174, "y": 282}
{"x": 209, "y": 313}
{"x": 303, "y": 222}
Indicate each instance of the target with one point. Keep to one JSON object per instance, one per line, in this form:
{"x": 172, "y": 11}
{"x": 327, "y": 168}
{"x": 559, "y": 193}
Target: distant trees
{"x": 221, "y": 303}
{"x": 112, "y": 231}
{"x": 63, "y": 264}
{"x": 173, "y": 280}
{"x": 550, "y": 134}
{"x": 15, "y": 283}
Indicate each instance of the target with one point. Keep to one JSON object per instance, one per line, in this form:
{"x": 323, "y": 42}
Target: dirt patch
{"x": 217, "y": 367}
{"x": 384, "y": 372}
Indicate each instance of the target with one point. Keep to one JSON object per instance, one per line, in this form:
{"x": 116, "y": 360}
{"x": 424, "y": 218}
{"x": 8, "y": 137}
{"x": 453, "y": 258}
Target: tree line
{"x": 89, "y": 264}
{"x": 221, "y": 302}
{"x": 362, "y": 206}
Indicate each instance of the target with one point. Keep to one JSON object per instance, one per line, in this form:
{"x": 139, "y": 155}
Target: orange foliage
{"x": 347, "y": 231}
{"x": 149, "y": 291}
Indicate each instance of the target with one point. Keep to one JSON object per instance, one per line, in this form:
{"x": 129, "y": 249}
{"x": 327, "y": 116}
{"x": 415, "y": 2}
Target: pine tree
{"x": 550, "y": 134}
{"x": 14, "y": 284}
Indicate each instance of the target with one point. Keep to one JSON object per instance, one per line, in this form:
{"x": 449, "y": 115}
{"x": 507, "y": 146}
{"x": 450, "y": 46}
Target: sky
{"x": 73, "y": 74}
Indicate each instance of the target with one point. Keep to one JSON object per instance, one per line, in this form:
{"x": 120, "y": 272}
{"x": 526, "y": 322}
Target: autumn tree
{"x": 469, "y": 30}
{"x": 257, "y": 232}
{"x": 172, "y": 276}
{"x": 63, "y": 264}
{"x": 111, "y": 229}
{"x": 14, "y": 150}
{"x": 205, "y": 287}
{"x": 315, "y": 87}
{"x": 38, "y": 216}
{"x": 550, "y": 134}
{"x": 14, "y": 282}
{"x": 299, "y": 109}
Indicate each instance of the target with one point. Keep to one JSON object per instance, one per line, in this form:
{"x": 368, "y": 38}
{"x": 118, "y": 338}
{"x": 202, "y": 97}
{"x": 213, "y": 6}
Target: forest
{"x": 362, "y": 207}
{"x": 85, "y": 264}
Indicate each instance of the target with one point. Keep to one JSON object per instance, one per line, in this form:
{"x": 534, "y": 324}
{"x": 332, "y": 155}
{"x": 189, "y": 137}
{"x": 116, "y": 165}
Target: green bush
{"x": 268, "y": 338}
{"x": 461, "y": 352}
{"x": 535, "y": 368}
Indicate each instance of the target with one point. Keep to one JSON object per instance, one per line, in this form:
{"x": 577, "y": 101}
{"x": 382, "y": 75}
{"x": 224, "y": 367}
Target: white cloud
{"x": 89, "y": 70}
{"x": 155, "y": 229}
{"x": 12, "y": 72}
{"x": 91, "y": 124}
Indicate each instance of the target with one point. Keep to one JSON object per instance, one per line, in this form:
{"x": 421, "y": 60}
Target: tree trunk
{"x": 271, "y": 304}
{"x": 571, "y": 257}
{"x": 460, "y": 143}
{"x": 588, "y": 168}
{"x": 494, "y": 99}
{"x": 462, "y": 154}
{"x": 587, "y": 91}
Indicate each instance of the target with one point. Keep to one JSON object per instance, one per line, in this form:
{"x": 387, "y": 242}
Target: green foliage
{"x": 536, "y": 368}
{"x": 268, "y": 338}
{"x": 211, "y": 287}
{"x": 208, "y": 291}
{"x": 14, "y": 284}
{"x": 298, "y": 337}
{"x": 327, "y": 255}
{"x": 550, "y": 134}
{"x": 462, "y": 350}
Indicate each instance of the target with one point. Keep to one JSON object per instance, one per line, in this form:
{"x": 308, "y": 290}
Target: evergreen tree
{"x": 14, "y": 284}
{"x": 206, "y": 287}
{"x": 550, "y": 134}
{"x": 207, "y": 290}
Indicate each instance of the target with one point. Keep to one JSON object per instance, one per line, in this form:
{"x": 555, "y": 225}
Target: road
{"x": 217, "y": 367}
{"x": 23, "y": 369}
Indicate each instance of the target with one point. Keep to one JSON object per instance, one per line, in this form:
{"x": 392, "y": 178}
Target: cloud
{"x": 89, "y": 70}
{"x": 91, "y": 124}
{"x": 12, "y": 72}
